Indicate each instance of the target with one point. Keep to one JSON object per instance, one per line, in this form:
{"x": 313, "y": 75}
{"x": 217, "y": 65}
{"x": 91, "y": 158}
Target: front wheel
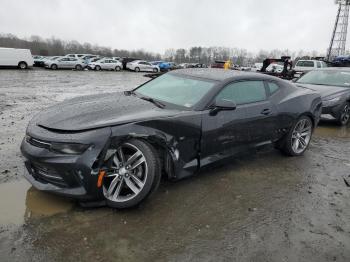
{"x": 78, "y": 67}
{"x": 97, "y": 68}
{"x": 137, "y": 69}
{"x": 298, "y": 139}
{"x": 344, "y": 116}
{"x": 155, "y": 70}
{"x": 133, "y": 173}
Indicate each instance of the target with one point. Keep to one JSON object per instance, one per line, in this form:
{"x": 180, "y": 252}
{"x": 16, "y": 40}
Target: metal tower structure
{"x": 338, "y": 40}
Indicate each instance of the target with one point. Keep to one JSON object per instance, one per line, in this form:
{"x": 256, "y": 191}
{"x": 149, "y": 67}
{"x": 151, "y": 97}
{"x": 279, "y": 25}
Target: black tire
{"x": 53, "y": 66}
{"x": 155, "y": 70}
{"x": 118, "y": 68}
{"x": 137, "y": 69}
{"x": 344, "y": 115}
{"x": 285, "y": 145}
{"x": 22, "y": 65}
{"x": 78, "y": 67}
{"x": 153, "y": 175}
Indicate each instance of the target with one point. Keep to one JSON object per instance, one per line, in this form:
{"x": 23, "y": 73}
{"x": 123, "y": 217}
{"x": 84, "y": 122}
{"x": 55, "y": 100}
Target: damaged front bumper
{"x": 73, "y": 176}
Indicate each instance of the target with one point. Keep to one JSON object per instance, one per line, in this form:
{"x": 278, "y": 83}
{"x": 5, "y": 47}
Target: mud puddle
{"x": 19, "y": 201}
{"x": 332, "y": 130}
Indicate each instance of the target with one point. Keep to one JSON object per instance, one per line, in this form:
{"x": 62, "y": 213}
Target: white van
{"x": 21, "y": 58}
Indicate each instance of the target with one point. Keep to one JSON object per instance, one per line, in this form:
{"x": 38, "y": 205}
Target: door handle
{"x": 266, "y": 111}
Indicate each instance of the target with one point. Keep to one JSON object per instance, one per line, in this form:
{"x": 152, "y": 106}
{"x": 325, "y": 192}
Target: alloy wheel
{"x": 126, "y": 175}
{"x": 345, "y": 115}
{"x": 301, "y": 135}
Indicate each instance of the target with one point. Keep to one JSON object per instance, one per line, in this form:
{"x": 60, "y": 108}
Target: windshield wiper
{"x": 150, "y": 99}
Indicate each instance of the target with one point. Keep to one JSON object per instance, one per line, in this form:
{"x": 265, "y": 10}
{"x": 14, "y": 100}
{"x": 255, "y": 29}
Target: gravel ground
{"x": 262, "y": 206}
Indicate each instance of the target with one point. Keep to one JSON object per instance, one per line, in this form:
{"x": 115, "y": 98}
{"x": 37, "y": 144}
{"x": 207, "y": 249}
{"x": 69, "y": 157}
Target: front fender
{"x": 177, "y": 141}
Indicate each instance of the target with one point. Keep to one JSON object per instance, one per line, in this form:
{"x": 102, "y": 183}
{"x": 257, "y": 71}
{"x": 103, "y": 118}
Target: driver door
{"x": 232, "y": 131}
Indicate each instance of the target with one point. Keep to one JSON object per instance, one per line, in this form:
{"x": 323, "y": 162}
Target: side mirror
{"x": 295, "y": 79}
{"x": 222, "y": 105}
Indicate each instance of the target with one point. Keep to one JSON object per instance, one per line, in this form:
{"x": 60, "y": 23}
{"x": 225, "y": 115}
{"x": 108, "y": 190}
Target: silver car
{"x": 140, "y": 65}
{"x": 106, "y": 64}
{"x": 65, "y": 63}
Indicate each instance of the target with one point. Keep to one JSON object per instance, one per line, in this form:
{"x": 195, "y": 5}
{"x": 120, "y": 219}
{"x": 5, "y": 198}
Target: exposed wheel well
{"x": 311, "y": 117}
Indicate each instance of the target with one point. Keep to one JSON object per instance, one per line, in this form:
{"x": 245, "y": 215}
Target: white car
{"x": 65, "y": 63}
{"x": 140, "y": 65}
{"x": 21, "y": 58}
{"x": 308, "y": 65}
{"x": 106, "y": 64}
{"x": 275, "y": 68}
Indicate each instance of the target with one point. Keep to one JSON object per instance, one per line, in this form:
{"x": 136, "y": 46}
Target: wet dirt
{"x": 261, "y": 206}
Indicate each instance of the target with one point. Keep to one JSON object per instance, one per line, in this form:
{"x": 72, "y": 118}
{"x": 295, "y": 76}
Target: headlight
{"x": 331, "y": 102}
{"x": 70, "y": 149}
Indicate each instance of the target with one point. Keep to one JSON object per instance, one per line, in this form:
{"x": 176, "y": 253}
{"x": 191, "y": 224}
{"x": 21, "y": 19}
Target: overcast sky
{"x": 156, "y": 25}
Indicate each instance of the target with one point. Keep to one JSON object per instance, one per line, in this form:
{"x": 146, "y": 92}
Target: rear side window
{"x": 244, "y": 92}
{"x": 273, "y": 87}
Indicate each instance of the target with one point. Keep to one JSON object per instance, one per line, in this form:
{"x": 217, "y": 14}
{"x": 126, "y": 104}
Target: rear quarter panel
{"x": 295, "y": 101}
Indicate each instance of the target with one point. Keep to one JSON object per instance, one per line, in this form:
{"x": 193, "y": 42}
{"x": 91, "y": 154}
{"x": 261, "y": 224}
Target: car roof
{"x": 217, "y": 74}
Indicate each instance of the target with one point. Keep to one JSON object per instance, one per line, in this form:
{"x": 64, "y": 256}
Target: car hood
{"x": 326, "y": 91}
{"x": 96, "y": 111}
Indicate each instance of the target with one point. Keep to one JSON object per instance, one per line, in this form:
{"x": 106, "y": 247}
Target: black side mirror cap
{"x": 222, "y": 105}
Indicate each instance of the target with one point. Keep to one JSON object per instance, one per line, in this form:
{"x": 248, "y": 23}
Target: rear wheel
{"x": 298, "y": 139}
{"x": 78, "y": 67}
{"x": 118, "y": 68}
{"x": 23, "y": 65}
{"x": 344, "y": 116}
{"x": 137, "y": 69}
{"x": 97, "y": 68}
{"x": 54, "y": 67}
{"x": 133, "y": 172}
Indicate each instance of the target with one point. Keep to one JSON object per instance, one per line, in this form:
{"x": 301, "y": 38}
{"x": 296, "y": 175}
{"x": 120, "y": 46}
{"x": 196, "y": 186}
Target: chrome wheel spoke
{"x": 296, "y": 144}
{"x": 121, "y": 155}
{"x": 131, "y": 185}
{"x": 116, "y": 161}
{"x": 302, "y": 142}
{"x": 133, "y": 158}
{"x": 112, "y": 186}
{"x": 138, "y": 182}
{"x": 117, "y": 191}
{"x": 138, "y": 162}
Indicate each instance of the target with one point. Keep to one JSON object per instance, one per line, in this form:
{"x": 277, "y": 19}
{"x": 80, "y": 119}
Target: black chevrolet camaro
{"x": 115, "y": 146}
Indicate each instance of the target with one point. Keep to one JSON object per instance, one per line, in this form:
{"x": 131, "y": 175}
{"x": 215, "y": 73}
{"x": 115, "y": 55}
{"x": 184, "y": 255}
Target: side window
{"x": 273, "y": 87}
{"x": 244, "y": 92}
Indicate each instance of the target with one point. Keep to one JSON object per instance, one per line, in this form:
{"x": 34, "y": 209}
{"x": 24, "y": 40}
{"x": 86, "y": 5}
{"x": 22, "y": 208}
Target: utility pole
{"x": 338, "y": 40}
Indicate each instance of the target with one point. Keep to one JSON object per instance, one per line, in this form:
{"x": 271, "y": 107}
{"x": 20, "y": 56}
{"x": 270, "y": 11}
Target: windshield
{"x": 176, "y": 90}
{"x": 326, "y": 77}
